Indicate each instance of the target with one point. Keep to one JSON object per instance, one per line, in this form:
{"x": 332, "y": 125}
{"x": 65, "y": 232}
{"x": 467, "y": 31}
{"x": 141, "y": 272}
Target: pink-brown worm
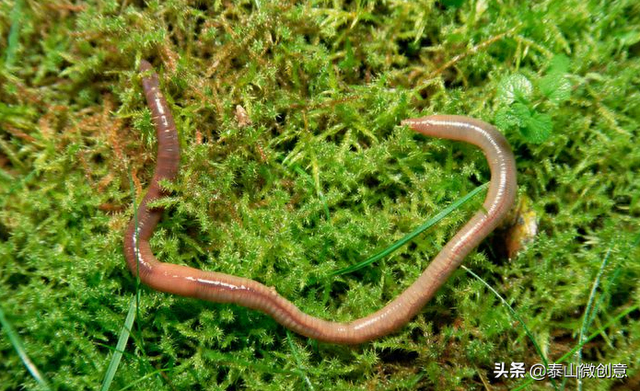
{"x": 224, "y": 288}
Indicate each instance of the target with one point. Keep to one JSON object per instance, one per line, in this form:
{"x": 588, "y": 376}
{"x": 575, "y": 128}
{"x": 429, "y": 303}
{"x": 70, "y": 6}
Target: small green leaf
{"x": 350, "y": 61}
{"x": 522, "y": 113}
{"x": 506, "y": 118}
{"x": 535, "y": 127}
{"x": 559, "y": 64}
{"x": 514, "y": 116}
{"x": 514, "y": 87}
{"x": 538, "y": 128}
{"x": 556, "y": 87}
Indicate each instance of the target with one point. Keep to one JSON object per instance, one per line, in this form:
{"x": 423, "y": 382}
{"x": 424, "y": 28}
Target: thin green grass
{"x": 136, "y": 252}
{"x": 588, "y": 316}
{"x": 123, "y": 338}
{"x": 134, "y": 311}
{"x": 301, "y": 370}
{"x": 590, "y": 311}
{"x": 14, "y": 34}
{"x": 149, "y": 375}
{"x": 516, "y": 316}
{"x": 20, "y": 350}
{"x": 410, "y": 236}
{"x": 573, "y": 351}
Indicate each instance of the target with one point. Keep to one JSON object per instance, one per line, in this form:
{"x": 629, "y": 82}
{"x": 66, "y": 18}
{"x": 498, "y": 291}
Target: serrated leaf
{"x": 559, "y": 64}
{"x": 514, "y": 87}
{"x": 556, "y": 87}
{"x": 538, "y": 128}
{"x": 521, "y": 112}
{"x": 506, "y": 118}
{"x": 516, "y": 115}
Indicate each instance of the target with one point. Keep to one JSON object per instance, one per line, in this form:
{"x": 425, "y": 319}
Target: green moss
{"x": 321, "y": 179}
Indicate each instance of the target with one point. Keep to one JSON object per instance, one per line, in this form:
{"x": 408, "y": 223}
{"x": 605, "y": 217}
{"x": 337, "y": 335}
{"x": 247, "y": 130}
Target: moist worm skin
{"x": 224, "y": 288}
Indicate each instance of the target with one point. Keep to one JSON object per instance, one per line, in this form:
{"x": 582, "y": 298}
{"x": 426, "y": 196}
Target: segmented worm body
{"x": 224, "y": 288}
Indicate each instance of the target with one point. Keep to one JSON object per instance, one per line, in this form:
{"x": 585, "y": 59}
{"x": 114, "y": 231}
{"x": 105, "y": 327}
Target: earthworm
{"x": 224, "y": 288}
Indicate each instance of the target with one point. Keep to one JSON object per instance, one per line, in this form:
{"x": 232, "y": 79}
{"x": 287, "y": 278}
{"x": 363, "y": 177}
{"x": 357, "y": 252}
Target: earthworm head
{"x": 415, "y": 122}
{"x": 145, "y": 66}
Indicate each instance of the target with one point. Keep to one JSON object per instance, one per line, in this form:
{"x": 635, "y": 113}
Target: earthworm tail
{"x": 224, "y": 288}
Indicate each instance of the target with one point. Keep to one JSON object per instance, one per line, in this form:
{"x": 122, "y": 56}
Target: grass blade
{"x": 590, "y": 311}
{"x": 431, "y": 222}
{"x": 19, "y": 348}
{"x": 580, "y": 345}
{"x": 515, "y": 315}
{"x": 14, "y": 34}
{"x": 122, "y": 343}
{"x": 301, "y": 372}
